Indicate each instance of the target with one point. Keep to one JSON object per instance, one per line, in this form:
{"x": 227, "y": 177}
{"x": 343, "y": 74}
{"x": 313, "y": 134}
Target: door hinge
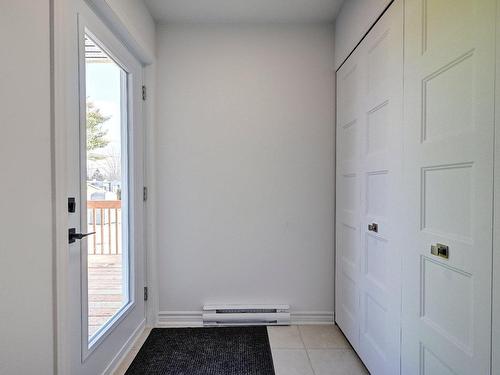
{"x": 144, "y": 92}
{"x": 145, "y": 193}
{"x": 145, "y": 293}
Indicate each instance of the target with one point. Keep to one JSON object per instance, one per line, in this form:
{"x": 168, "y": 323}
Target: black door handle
{"x": 73, "y": 236}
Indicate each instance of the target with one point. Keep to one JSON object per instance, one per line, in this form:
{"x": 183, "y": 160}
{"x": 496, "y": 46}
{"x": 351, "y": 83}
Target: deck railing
{"x": 104, "y": 218}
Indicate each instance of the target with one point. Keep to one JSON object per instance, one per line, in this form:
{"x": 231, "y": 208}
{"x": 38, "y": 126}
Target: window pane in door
{"x": 105, "y": 187}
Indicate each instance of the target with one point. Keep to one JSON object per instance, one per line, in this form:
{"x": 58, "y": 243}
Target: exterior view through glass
{"x": 105, "y": 187}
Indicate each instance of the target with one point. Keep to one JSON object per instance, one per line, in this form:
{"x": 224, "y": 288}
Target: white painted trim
{"x": 59, "y": 154}
{"x": 170, "y": 319}
{"x": 111, "y": 19}
{"x": 495, "y": 343}
{"x": 312, "y": 317}
{"x": 179, "y": 319}
{"x": 150, "y": 229}
{"x": 125, "y": 349}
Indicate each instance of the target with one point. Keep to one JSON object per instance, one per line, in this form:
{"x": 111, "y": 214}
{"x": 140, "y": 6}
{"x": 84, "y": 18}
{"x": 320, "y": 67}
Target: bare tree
{"x": 111, "y": 164}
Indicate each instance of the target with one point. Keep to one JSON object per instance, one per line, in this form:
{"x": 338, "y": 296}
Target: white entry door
{"x": 449, "y": 121}
{"x": 105, "y": 198}
{"x": 369, "y": 178}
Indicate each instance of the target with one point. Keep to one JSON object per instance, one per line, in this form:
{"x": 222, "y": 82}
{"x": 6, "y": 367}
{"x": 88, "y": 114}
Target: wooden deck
{"x": 105, "y": 289}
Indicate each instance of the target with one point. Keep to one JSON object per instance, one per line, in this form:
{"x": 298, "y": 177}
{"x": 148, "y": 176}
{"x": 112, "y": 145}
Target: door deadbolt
{"x": 440, "y": 250}
{"x": 71, "y": 205}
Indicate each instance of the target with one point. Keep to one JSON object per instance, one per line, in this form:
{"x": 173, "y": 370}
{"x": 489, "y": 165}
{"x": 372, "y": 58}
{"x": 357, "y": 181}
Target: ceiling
{"x": 243, "y": 11}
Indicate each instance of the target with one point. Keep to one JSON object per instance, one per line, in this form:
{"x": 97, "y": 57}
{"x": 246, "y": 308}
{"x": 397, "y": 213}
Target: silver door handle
{"x": 440, "y": 250}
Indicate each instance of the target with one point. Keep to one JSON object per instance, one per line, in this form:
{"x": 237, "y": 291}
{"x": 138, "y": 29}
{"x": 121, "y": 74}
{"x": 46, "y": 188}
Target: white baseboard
{"x": 168, "y": 319}
{"x": 312, "y": 317}
{"x": 125, "y": 349}
{"x": 179, "y": 319}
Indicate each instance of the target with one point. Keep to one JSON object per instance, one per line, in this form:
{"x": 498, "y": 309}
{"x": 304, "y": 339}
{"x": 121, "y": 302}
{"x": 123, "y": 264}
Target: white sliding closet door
{"x": 449, "y": 123}
{"x": 369, "y": 170}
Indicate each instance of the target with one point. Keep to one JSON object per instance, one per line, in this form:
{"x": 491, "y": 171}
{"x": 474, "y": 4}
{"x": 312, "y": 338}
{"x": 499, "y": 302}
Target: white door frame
{"x": 63, "y": 97}
{"x": 495, "y": 366}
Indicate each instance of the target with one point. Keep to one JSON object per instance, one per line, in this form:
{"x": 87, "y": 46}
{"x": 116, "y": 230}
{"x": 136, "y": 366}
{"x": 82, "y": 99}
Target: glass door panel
{"x": 105, "y": 188}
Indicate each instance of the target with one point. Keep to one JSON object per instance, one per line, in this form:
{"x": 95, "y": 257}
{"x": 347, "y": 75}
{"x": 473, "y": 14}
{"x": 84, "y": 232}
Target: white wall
{"x": 26, "y": 256}
{"x": 244, "y": 166}
{"x": 353, "y": 21}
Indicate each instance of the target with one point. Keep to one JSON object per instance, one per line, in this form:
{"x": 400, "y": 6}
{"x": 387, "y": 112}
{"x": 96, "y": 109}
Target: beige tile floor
{"x": 297, "y": 350}
{"x": 313, "y": 350}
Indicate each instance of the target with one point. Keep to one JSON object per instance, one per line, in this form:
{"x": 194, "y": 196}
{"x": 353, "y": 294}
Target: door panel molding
{"x": 448, "y": 164}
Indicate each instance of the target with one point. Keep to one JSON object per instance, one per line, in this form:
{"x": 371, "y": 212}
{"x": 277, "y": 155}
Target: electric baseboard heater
{"x": 231, "y": 315}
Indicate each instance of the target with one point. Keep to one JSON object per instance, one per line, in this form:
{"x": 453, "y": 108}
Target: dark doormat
{"x": 207, "y": 351}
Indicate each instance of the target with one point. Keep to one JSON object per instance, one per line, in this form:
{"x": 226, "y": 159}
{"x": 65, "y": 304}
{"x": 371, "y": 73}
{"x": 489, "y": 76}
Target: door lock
{"x": 73, "y": 236}
{"x": 71, "y": 205}
{"x": 440, "y": 250}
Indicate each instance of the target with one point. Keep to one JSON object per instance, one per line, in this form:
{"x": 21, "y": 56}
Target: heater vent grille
{"x": 246, "y": 315}
{"x": 246, "y": 311}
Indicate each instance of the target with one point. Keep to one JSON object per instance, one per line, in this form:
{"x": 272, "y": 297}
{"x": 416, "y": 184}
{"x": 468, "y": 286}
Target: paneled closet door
{"x": 348, "y": 197}
{"x": 369, "y": 153}
{"x": 449, "y": 123}
{"x": 381, "y": 165}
